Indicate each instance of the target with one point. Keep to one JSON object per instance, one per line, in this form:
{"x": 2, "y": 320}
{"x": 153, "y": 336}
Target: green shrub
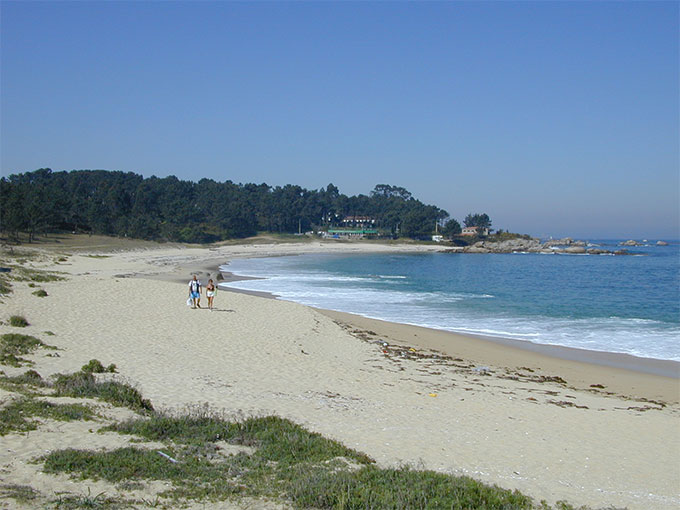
{"x": 84, "y": 385}
{"x": 40, "y": 293}
{"x": 94, "y": 366}
{"x": 18, "y": 321}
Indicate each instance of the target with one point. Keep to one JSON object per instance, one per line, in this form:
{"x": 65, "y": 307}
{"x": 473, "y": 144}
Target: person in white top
{"x": 195, "y": 292}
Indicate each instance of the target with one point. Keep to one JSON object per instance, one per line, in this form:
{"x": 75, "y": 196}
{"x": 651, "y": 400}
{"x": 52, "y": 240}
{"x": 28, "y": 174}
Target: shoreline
{"x": 576, "y": 366}
{"x": 654, "y": 372}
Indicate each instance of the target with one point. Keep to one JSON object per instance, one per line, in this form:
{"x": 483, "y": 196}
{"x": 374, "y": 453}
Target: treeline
{"x": 127, "y": 204}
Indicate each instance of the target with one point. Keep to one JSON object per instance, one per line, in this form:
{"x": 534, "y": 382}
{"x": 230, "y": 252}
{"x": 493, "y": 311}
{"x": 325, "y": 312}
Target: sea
{"x": 612, "y": 303}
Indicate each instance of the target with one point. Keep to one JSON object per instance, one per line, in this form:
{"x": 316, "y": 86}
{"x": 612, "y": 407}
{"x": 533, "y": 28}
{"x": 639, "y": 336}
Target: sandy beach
{"x": 549, "y": 423}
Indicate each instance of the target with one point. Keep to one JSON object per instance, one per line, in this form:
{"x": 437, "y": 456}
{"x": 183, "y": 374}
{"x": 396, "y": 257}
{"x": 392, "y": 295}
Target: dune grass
{"x": 84, "y": 385}
{"x": 19, "y": 493}
{"x": 18, "y": 321}
{"x": 30, "y": 378}
{"x": 17, "y": 415}
{"x": 15, "y": 345}
{"x": 373, "y": 487}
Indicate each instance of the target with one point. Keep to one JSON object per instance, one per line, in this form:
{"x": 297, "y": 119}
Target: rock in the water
{"x": 565, "y": 241}
{"x": 475, "y": 249}
{"x": 661, "y": 243}
{"x": 630, "y": 242}
{"x": 574, "y": 249}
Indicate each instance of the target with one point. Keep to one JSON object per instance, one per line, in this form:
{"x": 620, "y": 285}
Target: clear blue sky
{"x": 555, "y": 118}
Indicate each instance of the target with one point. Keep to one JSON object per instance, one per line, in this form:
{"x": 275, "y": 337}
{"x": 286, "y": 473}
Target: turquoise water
{"x": 626, "y": 304}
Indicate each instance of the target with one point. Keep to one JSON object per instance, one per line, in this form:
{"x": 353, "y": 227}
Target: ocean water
{"x": 624, "y": 304}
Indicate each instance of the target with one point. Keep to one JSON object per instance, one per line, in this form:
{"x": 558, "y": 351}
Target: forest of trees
{"x": 127, "y": 204}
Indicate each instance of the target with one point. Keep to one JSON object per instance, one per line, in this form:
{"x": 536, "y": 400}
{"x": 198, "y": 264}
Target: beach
{"x": 548, "y": 423}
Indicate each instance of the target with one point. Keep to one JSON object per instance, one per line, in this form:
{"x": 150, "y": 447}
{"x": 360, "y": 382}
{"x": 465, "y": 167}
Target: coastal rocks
{"x": 565, "y": 241}
{"x": 476, "y": 249}
{"x": 575, "y": 249}
{"x": 630, "y": 242}
{"x": 530, "y": 245}
{"x": 661, "y": 243}
{"x": 509, "y": 246}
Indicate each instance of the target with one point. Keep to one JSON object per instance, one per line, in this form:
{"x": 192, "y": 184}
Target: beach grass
{"x": 99, "y": 501}
{"x": 20, "y": 493}
{"x": 18, "y": 321}
{"x": 17, "y": 415}
{"x": 30, "y": 378}
{"x": 40, "y": 293}
{"x": 84, "y": 385}
{"x": 277, "y": 439}
{"x": 15, "y": 345}
{"x": 373, "y": 487}
{"x": 13, "y": 262}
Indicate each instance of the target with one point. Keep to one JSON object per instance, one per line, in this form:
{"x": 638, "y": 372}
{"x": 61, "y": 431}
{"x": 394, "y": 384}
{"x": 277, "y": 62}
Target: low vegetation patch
{"x": 15, "y": 345}
{"x": 193, "y": 477}
{"x": 17, "y": 416}
{"x": 277, "y": 439}
{"x": 94, "y": 366}
{"x": 21, "y": 273}
{"x": 18, "y": 321}
{"x": 5, "y": 285}
{"x": 30, "y": 377}
{"x": 19, "y": 493}
{"x": 84, "y": 385}
{"x": 100, "y": 501}
{"x": 40, "y": 293}
{"x": 372, "y": 487}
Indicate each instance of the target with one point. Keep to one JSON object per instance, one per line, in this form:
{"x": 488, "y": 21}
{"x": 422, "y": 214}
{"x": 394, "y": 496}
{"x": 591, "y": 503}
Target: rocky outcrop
{"x": 531, "y": 245}
{"x": 565, "y": 241}
{"x": 509, "y": 246}
{"x": 630, "y": 242}
{"x": 661, "y": 243}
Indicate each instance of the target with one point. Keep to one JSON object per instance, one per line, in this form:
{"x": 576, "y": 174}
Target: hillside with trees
{"x": 127, "y": 204}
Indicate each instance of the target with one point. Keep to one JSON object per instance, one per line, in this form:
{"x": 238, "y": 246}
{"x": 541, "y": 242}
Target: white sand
{"x": 266, "y": 356}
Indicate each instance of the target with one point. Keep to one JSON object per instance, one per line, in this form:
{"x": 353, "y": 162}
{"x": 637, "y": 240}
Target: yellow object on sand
{"x": 433, "y": 394}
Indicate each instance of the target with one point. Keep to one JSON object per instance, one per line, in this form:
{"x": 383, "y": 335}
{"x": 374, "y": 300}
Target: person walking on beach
{"x": 210, "y": 291}
{"x": 195, "y": 292}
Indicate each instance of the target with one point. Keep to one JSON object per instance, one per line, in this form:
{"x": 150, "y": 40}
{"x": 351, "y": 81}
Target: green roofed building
{"x": 352, "y": 232}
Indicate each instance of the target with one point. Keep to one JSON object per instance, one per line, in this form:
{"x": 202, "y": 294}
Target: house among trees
{"x": 358, "y": 221}
{"x": 475, "y": 231}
